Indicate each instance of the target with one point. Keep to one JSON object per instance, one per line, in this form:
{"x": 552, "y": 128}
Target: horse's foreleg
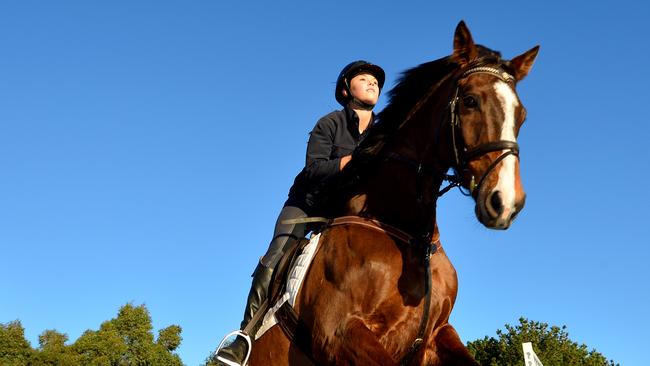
{"x": 355, "y": 344}
{"x": 449, "y": 350}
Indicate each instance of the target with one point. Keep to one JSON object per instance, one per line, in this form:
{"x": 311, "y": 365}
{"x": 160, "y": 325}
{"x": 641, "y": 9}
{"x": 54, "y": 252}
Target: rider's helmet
{"x": 351, "y": 70}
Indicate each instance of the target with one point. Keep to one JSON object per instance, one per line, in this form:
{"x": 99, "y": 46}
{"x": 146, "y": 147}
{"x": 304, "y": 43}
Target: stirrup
{"x": 237, "y": 333}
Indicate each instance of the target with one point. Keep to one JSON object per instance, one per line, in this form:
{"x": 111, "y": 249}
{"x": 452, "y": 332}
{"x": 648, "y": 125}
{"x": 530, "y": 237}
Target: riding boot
{"x": 258, "y": 293}
{"x": 236, "y": 351}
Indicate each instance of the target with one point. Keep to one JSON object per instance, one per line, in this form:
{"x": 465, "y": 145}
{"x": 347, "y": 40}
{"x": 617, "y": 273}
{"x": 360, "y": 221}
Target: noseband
{"x": 466, "y": 154}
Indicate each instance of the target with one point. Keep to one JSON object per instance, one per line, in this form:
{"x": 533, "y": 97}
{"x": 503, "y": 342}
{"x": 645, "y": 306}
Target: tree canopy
{"x": 127, "y": 339}
{"x": 551, "y": 344}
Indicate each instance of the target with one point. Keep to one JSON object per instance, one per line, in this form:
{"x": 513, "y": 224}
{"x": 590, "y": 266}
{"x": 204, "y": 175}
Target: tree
{"x": 53, "y": 351}
{"x": 15, "y": 350}
{"x": 129, "y": 340}
{"x": 168, "y": 340}
{"x": 551, "y": 344}
{"x": 133, "y": 324}
{"x": 103, "y": 347}
{"x": 170, "y": 337}
{"x": 123, "y": 341}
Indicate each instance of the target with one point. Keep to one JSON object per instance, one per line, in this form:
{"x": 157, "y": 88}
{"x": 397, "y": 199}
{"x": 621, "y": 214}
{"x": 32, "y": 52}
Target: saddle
{"x": 283, "y": 270}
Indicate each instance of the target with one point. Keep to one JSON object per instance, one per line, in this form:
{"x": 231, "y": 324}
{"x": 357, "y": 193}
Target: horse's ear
{"x": 464, "y": 48}
{"x": 522, "y": 64}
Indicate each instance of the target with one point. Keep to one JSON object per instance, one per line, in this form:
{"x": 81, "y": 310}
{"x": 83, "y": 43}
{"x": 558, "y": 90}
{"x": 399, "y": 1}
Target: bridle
{"x": 464, "y": 154}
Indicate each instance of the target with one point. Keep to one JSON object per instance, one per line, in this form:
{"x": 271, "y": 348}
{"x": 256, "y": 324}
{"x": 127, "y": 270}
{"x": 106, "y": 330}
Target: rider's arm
{"x": 321, "y": 163}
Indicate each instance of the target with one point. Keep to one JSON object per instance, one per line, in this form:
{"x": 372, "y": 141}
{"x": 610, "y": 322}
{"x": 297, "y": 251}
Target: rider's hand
{"x": 344, "y": 161}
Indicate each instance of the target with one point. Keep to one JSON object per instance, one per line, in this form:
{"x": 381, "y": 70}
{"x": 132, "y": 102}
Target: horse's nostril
{"x": 496, "y": 202}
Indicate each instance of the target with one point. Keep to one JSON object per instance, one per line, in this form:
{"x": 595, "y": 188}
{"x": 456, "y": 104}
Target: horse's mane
{"x": 412, "y": 85}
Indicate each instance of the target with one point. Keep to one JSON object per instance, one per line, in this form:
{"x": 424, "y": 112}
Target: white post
{"x": 530, "y": 358}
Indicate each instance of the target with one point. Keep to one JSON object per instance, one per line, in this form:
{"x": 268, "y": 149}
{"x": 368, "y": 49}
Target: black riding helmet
{"x": 353, "y": 69}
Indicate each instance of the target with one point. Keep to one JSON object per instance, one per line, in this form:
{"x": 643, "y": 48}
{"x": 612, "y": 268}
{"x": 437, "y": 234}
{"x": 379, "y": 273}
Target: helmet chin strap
{"x": 355, "y": 103}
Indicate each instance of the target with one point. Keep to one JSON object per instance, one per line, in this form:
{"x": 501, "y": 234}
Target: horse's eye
{"x": 470, "y": 102}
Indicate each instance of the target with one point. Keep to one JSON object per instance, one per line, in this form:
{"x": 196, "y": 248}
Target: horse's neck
{"x": 395, "y": 192}
{"x": 391, "y": 195}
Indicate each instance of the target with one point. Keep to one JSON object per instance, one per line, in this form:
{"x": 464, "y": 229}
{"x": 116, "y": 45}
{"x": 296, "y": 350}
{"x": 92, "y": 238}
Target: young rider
{"x": 330, "y": 148}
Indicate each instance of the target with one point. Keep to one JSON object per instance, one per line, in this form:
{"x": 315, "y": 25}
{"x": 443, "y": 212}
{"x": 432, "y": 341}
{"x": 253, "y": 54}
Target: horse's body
{"x": 363, "y": 298}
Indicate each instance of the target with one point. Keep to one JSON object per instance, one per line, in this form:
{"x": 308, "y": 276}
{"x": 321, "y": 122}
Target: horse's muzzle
{"x": 496, "y": 212}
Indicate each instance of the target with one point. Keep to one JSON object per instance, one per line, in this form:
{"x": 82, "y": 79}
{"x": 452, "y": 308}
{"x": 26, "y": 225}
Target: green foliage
{"x": 170, "y": 337}
{"x": 104, "y": 347}
{"x": 126, "y": 340}
{"x": 14, "y": 348}
{"x": 52, "y": 350}
{"x": 133, "y": 324}
{"x": 551, "y": 344}
{"x": 211, "y": 360}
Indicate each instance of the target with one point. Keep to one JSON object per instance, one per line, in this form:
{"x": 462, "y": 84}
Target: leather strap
{"x": 383, "y": 228}
{"x": 424, "y": 321}
{"x": 256, "y": 318}
{"x": 471, "y": 154}
{"x": 294, "y": 328}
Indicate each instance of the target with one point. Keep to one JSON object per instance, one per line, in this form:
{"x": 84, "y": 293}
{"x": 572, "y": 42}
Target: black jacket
{"x": 334, "y": 136}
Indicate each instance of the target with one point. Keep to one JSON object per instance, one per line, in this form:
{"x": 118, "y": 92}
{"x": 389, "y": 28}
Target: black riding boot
{"x": 236, "y": 351}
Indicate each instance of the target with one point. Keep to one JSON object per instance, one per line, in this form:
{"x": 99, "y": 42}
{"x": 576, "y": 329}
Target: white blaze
{"x": 506, "y": 183}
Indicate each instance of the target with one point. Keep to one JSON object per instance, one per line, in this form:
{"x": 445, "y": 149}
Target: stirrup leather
{"x": 237, "y": 333}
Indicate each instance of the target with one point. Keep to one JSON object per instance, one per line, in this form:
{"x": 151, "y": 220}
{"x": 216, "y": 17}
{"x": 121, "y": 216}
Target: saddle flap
{"x": 281, "y": 272}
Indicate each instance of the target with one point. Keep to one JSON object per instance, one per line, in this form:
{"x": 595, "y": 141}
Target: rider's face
{"x": 365, "y": 88}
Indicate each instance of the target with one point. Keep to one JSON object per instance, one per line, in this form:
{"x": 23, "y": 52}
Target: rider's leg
{"x": 282, "y": 234}
{"x": 262, "y": 276}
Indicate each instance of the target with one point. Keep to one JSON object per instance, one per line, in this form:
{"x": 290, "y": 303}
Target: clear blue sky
{"x": 146, "y": 148}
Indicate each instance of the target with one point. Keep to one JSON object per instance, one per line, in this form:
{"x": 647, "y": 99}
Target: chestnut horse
{"x": 380, "y": 289}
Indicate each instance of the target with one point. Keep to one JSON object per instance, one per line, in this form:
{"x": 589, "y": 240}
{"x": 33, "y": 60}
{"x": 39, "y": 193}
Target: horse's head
{"x": 460, "y": 111}
{"x": 486, "y": 117}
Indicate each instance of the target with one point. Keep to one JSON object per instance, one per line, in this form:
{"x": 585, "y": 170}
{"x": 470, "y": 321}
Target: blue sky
{"x": 147, "y": 147}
